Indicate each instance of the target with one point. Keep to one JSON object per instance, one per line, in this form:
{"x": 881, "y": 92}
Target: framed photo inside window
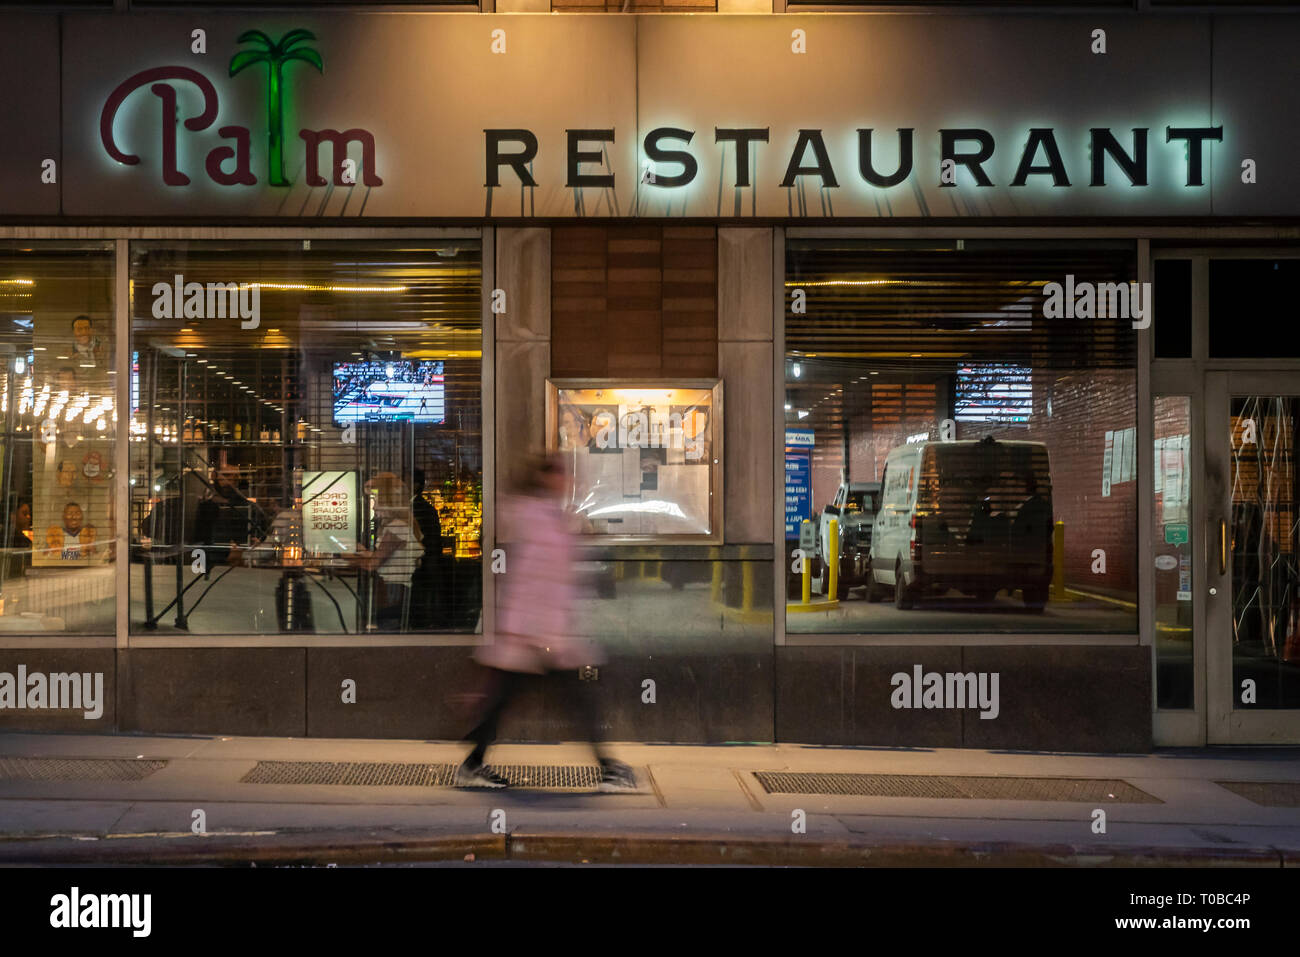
{"x": 643, "y": 456}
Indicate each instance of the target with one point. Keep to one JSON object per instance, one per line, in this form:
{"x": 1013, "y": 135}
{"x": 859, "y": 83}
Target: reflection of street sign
{"x": 1176, "y": 534}
{"x": 798, "y": 491}
{"x": 1107, "y": 460}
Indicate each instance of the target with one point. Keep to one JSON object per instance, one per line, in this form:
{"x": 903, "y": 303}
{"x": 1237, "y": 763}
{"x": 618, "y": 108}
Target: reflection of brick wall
{"x": 862, "y": 452}
{"x": 1269, "y": 457}
{"x": 1170, "y": 418}
{"x": 1084, "y": 407}
{"x": 825, "y": 478}
{"x": 897, "y": 411}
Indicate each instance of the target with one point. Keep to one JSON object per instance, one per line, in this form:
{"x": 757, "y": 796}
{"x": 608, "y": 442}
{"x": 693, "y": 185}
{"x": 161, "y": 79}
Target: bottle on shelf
{"x": 275, "y": 437}
{"x": 302, "y": 430}
{"x": 264, "y": 435}
{"x": 188, "y": 434}
{"x": 239, "y": 432}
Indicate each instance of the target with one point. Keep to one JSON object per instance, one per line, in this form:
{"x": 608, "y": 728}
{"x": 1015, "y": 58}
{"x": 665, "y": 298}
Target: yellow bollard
{"x": 833, "y": 550}
{"x": 807, "y": 573}
{"x": 1058, "y": 561}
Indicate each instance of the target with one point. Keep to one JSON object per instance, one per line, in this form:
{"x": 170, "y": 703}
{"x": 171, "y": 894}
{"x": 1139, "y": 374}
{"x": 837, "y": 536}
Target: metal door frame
{"x": 1209, "y": 382}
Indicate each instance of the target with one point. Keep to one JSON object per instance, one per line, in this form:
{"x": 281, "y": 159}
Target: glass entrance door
{"x": 1252, "y": 541}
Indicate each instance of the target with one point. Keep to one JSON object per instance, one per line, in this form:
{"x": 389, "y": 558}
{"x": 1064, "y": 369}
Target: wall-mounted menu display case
{"x": 643, "y": 457}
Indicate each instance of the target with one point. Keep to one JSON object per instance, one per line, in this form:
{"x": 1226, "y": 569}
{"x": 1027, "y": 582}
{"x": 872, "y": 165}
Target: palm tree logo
{"x": 276, "y": 56}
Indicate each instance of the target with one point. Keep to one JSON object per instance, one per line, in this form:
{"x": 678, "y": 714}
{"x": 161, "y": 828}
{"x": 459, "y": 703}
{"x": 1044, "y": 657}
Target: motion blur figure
{"x": 535, "y": 620}
{"x": 396, "y": 551}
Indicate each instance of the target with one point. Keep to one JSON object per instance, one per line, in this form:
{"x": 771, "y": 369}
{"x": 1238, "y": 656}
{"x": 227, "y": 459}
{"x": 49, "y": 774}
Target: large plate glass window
{"x": 961, "y": 444}
{"x": 57, "y": 402}
{"x": 306, "y": 447}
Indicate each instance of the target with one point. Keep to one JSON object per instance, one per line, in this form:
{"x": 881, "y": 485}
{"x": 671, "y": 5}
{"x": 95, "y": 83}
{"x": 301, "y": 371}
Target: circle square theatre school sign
{"x": 278, "y": 62}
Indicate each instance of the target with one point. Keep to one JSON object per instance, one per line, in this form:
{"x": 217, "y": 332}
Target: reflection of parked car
{"x": 854, "y": 508}
{"x": 974, "y": 516}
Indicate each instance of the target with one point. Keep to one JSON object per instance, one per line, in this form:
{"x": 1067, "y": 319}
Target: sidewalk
{"x": 696, "y": 804}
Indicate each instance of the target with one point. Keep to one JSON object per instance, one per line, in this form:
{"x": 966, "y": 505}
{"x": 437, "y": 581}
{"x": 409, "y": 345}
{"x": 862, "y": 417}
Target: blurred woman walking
{"x": 534, "y": 632}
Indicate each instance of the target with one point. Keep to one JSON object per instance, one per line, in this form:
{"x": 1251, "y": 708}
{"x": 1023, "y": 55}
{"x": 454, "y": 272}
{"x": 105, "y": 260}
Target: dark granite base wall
{"x": 425, "y": 693}
{"x": 428, "y": 693}
{"x": 1061, "y": 698}
{"x": 238, "y": 691}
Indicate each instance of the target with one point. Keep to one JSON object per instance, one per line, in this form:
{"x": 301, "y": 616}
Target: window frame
{"x": 1139, "y": 236}
{"x": 119, "y": 240}
{"x": 716, "y": 486}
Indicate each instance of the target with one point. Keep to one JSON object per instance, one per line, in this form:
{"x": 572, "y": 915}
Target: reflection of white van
{"x": 975, "y": 516}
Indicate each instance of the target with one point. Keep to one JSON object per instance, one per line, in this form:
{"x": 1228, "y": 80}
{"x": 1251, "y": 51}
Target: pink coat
{"x": 536, "y": 594}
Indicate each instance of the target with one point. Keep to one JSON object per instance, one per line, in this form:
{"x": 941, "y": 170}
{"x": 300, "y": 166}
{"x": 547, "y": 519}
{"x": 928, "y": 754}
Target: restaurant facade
{"x": 921, "y": 379}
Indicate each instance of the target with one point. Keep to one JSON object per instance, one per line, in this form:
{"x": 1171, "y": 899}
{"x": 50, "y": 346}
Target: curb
{"x": 284, "y": 849}
{"x": 314, "y": 849}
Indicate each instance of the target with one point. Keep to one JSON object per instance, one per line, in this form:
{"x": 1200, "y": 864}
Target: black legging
{"x": 505, "y": 686}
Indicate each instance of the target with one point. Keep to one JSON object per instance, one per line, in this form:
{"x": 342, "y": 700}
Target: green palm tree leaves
{"x": 294, "y": 37}
{"x": 275, "y": 55}
{"x": 255, "y": 36}
{"x": 307, "y": 55}
{"x": 246, "y": 58}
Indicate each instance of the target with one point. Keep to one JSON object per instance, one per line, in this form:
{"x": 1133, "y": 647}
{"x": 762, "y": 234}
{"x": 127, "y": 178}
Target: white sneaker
{"x": 616, "y": 776}
{"x": 470, "y": 776}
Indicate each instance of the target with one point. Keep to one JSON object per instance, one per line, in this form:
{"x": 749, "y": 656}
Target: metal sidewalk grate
{"x": 384, "y": 774}
{"x": 360, "y": 773}
{"x": 556, "y": 777}
{"x": 955, "y": 786}
{"x": 77, "y": 769}
{"x": 1266, "y": 793}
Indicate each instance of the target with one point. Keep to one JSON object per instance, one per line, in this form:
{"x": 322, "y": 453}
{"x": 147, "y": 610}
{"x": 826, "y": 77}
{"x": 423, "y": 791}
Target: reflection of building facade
{"x": 259, "y": 448}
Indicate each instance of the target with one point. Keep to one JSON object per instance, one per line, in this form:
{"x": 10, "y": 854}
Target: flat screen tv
{"x": 994, "y": 393}
{"x": 389, "y": 390}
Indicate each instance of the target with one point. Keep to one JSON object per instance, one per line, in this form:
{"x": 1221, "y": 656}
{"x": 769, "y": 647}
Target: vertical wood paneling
{"x": 634, "y": 301}
{"x": 578, "y": 302}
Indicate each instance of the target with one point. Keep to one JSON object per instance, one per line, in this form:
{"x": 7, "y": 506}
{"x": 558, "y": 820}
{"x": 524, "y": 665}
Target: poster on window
{"x": 329, "y": 512}
{"x": 71, "y": 400}
{"x": 589, "y": 426}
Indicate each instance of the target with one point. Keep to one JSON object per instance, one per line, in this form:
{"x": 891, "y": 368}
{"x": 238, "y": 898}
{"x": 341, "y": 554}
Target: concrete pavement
{"x": 696, "y": 804}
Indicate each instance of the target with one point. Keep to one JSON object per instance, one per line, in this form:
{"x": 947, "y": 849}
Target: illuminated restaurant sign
{"x": 343, "y": 116}
{"x": 969, "y": 148}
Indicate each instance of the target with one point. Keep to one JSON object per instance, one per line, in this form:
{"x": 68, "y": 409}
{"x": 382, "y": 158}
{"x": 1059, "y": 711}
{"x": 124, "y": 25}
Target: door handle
{"x": 1223, "y": 547}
